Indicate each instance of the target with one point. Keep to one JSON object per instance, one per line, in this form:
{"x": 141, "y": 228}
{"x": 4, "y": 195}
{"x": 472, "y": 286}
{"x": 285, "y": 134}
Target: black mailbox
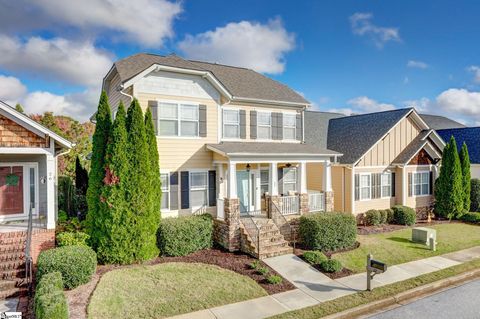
{"x": 378, "y": 265}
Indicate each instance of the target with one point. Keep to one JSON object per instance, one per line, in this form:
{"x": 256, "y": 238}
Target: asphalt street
{"x": 462, "y": 302}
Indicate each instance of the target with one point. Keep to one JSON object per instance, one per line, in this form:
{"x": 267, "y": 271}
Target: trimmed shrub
{"x": 475, "y": 195}
{"x": 373, "y": 217}
{"x": 184, "y": 235}
{"x": 328, "y": 231}
{"x": 314, "y": 257}
{"x": 77, "y": 264}
{"x": 390, "y": 216}
{"x": 331, "y": 265}
{"x": 404, "y": 215}
{"x": 471, "y": 218}
{"x": 50, "y": 301}
{"x": 72, "y": 239}
{"x": 274, "y": 279}
{"x": 383, "y": 216}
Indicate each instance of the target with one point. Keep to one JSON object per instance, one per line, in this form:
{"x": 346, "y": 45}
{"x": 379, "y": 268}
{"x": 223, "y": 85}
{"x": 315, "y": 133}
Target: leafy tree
{"x": 97, "y": 172}
{"x": 449, "y": 187}
{"x": 139, "y": 192}
{"x": 81, "y": 177}
{"x": 466, "y": 176}
{"x": 19, "y": 108}
{"x": 116, "y": 244}
{"x": 153, "y": 160}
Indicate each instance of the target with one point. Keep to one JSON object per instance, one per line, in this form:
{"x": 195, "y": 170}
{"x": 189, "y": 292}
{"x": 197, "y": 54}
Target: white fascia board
{"x": 272, "y": 102}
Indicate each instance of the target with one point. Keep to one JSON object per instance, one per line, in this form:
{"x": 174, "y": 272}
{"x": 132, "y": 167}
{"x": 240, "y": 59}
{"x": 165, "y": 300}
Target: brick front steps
{"x": 12, "y": 263}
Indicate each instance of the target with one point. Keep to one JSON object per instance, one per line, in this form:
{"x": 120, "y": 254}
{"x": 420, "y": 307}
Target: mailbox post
{"x": 373, "y": 267}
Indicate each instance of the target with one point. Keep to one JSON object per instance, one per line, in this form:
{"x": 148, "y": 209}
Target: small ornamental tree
{"x": 448, "y": 187}
{"x": 153, "y": 160}
{"x": 97, "y": 171}
{"x": 81, "y": 177}
{"x": 116, "y": 245}
{"x": 19, "y": 108}
{"x": 139, "y": 187}
{"x": 466, "y": 176}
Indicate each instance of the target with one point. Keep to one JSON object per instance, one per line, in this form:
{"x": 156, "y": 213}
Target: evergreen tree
{"x": 19, "y": 108}
{"x": 154, "y": 162}
{"x": 466, "y": 177}
{"x": 97, "y": 172}
{"x": 448, "y": 187}
{"x": 81, "y": 177}
{"x": 116, "y": 244}
{"x": 139, "y": 193}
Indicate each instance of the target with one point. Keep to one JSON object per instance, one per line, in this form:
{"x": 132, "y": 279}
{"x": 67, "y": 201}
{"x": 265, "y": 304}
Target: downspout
{"x": 125, "y": 94}
{"x": 303, "y": 124}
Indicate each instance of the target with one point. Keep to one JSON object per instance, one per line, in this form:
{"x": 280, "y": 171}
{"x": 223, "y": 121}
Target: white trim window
{"x": 386, "y": 184}
{"x": 198, "y": 189}
{"x": 289, "y": 180}
{"x": 264, "y": 125}
{"x": 421, "y": 183}
{"x": 264, "y": 179}
{"x": 231, "y": 123}
{"x": 178, "y": 119}
{"x": 365, "y": 186}
{"x": 165, "y": 179}
{"x": 289, "y": 126}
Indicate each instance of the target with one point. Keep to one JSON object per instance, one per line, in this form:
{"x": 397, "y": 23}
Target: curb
{"x": 406, "y": 296}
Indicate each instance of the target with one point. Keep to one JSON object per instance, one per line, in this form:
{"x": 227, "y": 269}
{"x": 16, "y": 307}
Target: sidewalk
{"x": 313, "y": 287}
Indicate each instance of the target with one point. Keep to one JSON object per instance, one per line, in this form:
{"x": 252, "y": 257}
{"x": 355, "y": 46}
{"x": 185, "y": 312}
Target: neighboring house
{"x": 230, "y": 140}
{"x": 389, "y": 158}
{"x": 438, "y": 122}
{"x": 28, "y": 175}
{"x": 471, "y": 137}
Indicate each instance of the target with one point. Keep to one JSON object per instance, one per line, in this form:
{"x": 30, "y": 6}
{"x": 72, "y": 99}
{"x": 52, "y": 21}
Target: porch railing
{"x": 289, "y": 205}
{"x": 220, "y": 208}
{"x": 282, "y": 223}
{"x": 28, "y": 252}
{"x": 316, "y": 202}
{"x": 253, "y": 231}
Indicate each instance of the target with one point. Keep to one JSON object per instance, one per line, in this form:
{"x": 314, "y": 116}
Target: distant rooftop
{"x": 438, "y": 122}
{"x": 469, "y": 135}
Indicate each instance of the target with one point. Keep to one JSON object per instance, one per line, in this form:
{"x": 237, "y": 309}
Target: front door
{"x": 11, "y": 190}
{"x": 248, "y": 190}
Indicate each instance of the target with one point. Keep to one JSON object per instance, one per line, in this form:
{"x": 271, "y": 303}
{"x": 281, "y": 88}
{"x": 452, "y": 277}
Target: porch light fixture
{"x": 288, "y": 165}
{"x": 248, "y": 167}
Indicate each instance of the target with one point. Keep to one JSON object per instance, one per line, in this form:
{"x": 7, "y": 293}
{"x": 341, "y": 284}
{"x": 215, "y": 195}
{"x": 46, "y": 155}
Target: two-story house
{"x": 230, "y": 141}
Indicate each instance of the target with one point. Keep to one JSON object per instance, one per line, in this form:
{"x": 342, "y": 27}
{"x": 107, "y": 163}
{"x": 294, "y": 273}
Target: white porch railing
{"x": 289, "y": 205}
{"x": 220, "y": 208}
{"x": 316, "y": 202}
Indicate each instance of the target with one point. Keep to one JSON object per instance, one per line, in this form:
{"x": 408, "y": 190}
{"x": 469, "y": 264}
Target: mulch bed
{"x": 368, "y": 230}
{"x": 236, "y": 261}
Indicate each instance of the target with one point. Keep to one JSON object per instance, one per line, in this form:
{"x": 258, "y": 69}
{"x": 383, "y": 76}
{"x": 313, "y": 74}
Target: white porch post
{"x": 51, "y": 176}
{"x": 302, "y": 178}
{"x": 221, "y": 181}
{"x": 327, "y": 176}
{"x": 232, "y": 180}
{"x": 273, "y": 182}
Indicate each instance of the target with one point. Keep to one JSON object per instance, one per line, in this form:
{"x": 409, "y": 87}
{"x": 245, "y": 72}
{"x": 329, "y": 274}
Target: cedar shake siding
{"x": 14, "y": 135}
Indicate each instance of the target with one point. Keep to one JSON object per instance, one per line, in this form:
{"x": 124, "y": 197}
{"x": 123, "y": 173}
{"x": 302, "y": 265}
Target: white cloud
{"x": 261, "y": 47}
{"x": 55, "y": 59}
{"x": 422, "y": 105}
{"x": 460, "y": 101}
{"x": 476, "y": 71}
{"x": 417, "y": 64}
{"x": 147, "y": 22}
{"x": 367, "y": 105}
{"x": 362, "y": 25}
{"x": 11, "y": 89}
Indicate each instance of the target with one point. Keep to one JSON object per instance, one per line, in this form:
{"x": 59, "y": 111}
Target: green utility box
{"x": 422, "y": 235}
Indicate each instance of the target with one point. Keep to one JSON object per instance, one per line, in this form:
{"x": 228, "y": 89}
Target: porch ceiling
{"x": 279, "y": 151}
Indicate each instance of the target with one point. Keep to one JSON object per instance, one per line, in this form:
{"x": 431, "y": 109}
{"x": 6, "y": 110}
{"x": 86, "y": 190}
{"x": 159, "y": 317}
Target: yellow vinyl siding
{"x": 315, "y": 176}
{"x": 417, "y": 201}
{"x": 337, "y": 187}
{"x": 348, "y": 189}
{"x": 387, "y": 149}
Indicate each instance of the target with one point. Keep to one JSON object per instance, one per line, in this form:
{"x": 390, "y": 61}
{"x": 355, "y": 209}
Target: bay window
{"x": 231, "y": 123}
{"x": 177, "y": 119}
{"x": 264, "y": 125}
{"x": 289, "y": 126}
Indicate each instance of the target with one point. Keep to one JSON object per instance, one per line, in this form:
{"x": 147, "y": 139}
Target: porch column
{"x": 273, "y": 182}
{"x": 221, "y": 181}
{"x": 327, "y": 186}
{"x": 232, "y": 180}
{"x": 302, "y": 178}
{"x": 51, "y": 169}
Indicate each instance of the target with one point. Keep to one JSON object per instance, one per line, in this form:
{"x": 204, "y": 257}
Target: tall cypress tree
{"x": 115, "y": 246}
{"x": 466, "y": 177}
{"x": 97, "y": 172}
{"x": 154, "y": 162}
{"x": 81, "y": 177}
{"x": 139, "y": 193}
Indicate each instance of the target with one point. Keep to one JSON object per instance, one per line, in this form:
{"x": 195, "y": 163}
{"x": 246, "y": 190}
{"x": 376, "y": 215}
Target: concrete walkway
{"x": 313, "y": 287}
{"x": 8, "y": 305}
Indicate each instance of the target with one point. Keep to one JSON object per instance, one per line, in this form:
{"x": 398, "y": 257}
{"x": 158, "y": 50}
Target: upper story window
{"x": 289, "y": 126}
{"x": 264, "y": 125}
{"x": 178, "y": 119}
{"x": 231, "y": 123}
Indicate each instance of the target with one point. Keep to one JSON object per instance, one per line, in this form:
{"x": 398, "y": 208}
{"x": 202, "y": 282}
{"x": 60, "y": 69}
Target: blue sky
{"x": 348, "y": 56}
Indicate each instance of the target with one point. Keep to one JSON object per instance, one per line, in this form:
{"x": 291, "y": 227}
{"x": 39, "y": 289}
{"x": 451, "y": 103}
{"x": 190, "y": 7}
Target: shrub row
{"x": 50, "y": 301}
{"x": 184, "y": 235}
{"x": 375, "y": 217}
{"x": 403, "y": 215}
{"x": 471, "y": 218}
{"x": 328, "y": 231}
{"x": 76, "y": 264}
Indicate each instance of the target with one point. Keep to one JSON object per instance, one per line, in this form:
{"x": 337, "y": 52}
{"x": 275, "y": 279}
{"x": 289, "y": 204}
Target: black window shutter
{"x": 174, "y": 178}
{"x": 280, "y": 126}
{"x": 393, "y": 184}
{"x": 202, "y": 120}
{"x": 299, "y": 127}
{"x": 212, "y": 188}
{"x": 431, "y": 183}
{"x": 280, "y": 180}
{"x": 253, "y": 124}
{"x": 410, "y": 186}
{"x": 243, "y": 124}
{"x": 153, "y": 106}
{"x": 185, "y": 190}
{"x": 357, "y": 187}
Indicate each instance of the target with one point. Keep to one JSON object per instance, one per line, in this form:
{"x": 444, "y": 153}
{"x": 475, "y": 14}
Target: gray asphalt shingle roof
{"x": 239, "y": 82}
{"x": 438, "y": 122}
{"x": 265, "y": 148}
{"x": 469, "y": 135}
{"x": 354, "y": 135}
{"x": 316, "y": 127}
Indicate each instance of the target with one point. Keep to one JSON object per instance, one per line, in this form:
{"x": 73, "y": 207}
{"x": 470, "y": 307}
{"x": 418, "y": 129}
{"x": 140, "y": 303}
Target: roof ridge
{"x": 221, "y": 64}
{"x": 325, "y": 112}
{"x": 372, "y": 113}
{"x": 457, "y": 128}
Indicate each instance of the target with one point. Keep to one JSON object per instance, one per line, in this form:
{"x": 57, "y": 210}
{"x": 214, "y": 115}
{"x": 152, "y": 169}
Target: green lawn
{"x": 169, "y": 289}
{"x": 396, "y": 248}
